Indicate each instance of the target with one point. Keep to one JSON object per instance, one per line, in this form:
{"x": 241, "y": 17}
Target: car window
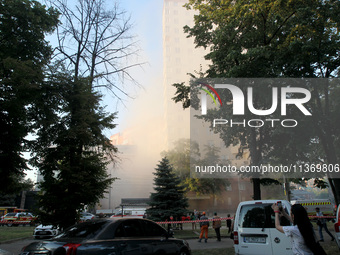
{"x": 153, "y": 229}
{"x": 129, "y": 228}
{"x": 84, "y": 230}
{"x": 259, "y": 216}
{"x": 10, "y": 214}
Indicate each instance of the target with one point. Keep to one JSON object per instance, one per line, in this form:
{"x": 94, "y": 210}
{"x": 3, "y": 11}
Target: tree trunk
{"x": 256, "y": 188}
{"x": 255, "y": 156}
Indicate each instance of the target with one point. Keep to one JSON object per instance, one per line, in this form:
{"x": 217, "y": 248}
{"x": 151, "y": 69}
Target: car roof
{"x": 270, "y": 201}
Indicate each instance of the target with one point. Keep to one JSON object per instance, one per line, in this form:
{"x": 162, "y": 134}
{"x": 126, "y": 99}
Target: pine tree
{"x": 169, "y": 199}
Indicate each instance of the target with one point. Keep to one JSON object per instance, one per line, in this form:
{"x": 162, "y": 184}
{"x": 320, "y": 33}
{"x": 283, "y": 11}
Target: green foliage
{"x": 168, "y": 199}
{"x": 186, "y": 152}
{"x": 23, "y": 54}
{"x": 273, "y": 39}
{"x": 71, "y": 151}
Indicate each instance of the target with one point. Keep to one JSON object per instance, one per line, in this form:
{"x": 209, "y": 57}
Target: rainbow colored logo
{"x": 210, "y": 94}
{"x": 204, "y": 97}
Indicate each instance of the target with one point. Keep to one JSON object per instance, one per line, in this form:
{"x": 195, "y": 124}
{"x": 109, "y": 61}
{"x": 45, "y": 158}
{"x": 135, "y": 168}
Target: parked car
{"x": 337, "y": 226}
{"x": 255, "y": 232}
{"x": 84, "y": 216}
{"x": 45, "y": 231}
{"x": 22, "y": 216}
{"x": 111, "y": 236}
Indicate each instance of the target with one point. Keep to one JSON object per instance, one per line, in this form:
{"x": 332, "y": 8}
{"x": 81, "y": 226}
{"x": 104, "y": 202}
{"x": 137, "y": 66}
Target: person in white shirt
{"x": 301, "y": 233}
{"x": 322, "y": 225}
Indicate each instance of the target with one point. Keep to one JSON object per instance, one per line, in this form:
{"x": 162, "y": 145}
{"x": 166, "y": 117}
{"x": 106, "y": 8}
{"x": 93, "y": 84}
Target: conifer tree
{"x": 169, "y": 199}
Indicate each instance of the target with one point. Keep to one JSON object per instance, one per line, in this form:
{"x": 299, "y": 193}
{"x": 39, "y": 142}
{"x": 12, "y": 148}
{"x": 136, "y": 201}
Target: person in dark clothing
{"x": 229, "y": 223}
{"x": 217, "y": 226}
{"x": 322, "y": 224}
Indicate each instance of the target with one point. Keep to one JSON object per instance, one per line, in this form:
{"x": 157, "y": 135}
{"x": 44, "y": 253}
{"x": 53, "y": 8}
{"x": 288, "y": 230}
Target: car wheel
{"x": 184, "y": 252}
{"x": 10, "y": 224}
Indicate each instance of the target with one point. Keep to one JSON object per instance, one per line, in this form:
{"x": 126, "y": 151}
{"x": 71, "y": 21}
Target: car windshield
{"x": 259, "y": 216}
{"x": 10, "y": 214}
{"x": 84, "y": 230}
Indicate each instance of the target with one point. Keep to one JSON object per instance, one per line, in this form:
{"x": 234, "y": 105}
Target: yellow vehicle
{"x": 325, "y": 205}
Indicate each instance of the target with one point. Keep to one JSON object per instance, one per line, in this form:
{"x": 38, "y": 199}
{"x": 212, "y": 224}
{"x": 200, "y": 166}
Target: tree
{"x": 23, "y": 56}
{"x": 169, "y": 199}
{"x": 265, "y": 39}
{"x": 71, "y": 151}
{"x": 184, "y": 153}
{"x": 94, "y": 42}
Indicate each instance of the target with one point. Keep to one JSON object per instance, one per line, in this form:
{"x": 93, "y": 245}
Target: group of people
{"x": 216, "y": 224}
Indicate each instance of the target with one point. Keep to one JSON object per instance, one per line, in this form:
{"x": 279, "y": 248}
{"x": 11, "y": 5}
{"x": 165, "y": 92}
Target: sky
{"x": 146, "y": 20}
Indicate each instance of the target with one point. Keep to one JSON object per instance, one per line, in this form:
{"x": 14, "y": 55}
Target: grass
{"x": 12, "y": 233}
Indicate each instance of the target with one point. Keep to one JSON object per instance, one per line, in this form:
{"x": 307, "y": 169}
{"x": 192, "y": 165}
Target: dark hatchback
{"x": 111, "y": 237}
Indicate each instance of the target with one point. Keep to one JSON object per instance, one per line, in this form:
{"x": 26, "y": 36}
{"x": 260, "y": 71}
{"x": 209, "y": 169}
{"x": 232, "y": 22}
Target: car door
{"x": 130, "y": 239}
{"x": 158, "y": 238}
{"x": 280, "y": 242}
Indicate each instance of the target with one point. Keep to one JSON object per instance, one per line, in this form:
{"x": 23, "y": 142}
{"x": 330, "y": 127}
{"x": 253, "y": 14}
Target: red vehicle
{"x": 17, "y": 218}
{"x": 337, "y": 227}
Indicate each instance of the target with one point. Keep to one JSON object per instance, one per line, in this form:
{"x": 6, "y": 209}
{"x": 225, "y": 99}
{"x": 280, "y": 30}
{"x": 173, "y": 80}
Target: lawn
{"x": 12, "y": 233}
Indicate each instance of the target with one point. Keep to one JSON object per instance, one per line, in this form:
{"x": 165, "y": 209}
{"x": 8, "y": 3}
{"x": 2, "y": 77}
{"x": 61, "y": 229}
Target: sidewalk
{"x": 211, "y": 244}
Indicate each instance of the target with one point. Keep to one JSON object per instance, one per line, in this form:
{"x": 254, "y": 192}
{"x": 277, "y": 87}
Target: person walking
{"x": 301, "y": 234}
{"x": 204, "y": 228}
{"x": 322, "y": 224}
{"x": 217, "y": 226}
{"x": 228, "y": 223}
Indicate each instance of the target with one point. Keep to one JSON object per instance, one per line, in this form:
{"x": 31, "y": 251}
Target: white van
{"x": 255, "y": 232}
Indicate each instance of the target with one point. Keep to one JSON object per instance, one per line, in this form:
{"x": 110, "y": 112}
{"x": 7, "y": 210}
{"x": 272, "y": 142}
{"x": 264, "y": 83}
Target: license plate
{"x": 42, "y": 232}
{"x": 251, "y": 239}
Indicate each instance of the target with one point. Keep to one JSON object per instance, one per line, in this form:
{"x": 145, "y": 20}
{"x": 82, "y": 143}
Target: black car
{"x": 111, "y": 237}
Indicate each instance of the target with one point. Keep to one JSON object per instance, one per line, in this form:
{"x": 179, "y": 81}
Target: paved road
{"x": 14, "y": 248}
{"x": 211, "y": 244}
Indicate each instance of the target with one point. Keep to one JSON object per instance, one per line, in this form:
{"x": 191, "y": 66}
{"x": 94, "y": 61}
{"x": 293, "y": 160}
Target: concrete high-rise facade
{"x": 180, "y": 57}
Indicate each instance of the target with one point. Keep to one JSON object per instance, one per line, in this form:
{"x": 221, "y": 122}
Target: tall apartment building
{"x": 180, "y": 57}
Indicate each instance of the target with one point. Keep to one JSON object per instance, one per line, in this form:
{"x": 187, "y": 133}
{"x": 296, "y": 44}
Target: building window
{"x": 241, "y": 186}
